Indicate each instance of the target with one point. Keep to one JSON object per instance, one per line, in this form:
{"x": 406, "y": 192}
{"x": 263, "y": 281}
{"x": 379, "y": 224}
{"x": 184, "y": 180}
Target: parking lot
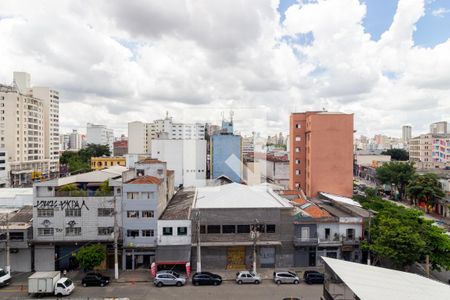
{"x": 228, "y": 290}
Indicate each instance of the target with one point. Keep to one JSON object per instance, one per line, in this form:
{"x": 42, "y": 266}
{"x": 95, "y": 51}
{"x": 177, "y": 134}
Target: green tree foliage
{"x": 104, "y": 189}
{"x": 426, "y": 187}
{"x": 398, "y": 174}
{"x": 91, "y": 256}
{"x": 81, "y": 161}
{"x": 397, "y": 154}
{"x": 402, "y": 236}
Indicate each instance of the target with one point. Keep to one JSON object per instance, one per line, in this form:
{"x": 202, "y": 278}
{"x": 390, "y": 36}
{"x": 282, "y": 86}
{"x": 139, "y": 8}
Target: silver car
{"x": 164, "y": 278}
{"x": 247, "y": 277}
{"x": 285, "y": 277}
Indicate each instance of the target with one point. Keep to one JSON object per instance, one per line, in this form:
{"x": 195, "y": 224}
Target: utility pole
{"x": 254, "y": 236}
{"x": 370, "y": 223}
{"x": 199, "y": 252}
{"x": 427, "y": 265}
{"x": 8, "y": 261}
{"x": 116, "y": 237}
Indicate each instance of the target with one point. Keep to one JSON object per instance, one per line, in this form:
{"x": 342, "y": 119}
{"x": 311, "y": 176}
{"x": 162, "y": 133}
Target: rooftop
{"x": 374, "y": 283}
{"x": 316, "y": 212}
{"x": 89, "y": 177}
{"x": 149, "y": 161}
{"x": 179, "y": 206}
{"x": 145, "y": 180}
{"x": 235, "y": 195}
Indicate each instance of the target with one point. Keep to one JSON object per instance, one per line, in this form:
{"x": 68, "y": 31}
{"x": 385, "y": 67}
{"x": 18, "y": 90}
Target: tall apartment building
{"x": 141, "y": 134}
{"x": 321, "y": 150}
{"x": 430, "y": 151}
{"x": 100, "y": 134}
{"x": 438, "y": 128}
{"x": 71, "y": 141}
{"x": 29, "y": 129}
{"x": 4, "y": 169}
{"x": 406, "y": 133}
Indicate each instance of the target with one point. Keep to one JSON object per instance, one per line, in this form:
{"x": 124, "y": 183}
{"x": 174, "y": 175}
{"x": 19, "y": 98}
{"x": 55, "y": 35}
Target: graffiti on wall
{"x": 65, "y": 204}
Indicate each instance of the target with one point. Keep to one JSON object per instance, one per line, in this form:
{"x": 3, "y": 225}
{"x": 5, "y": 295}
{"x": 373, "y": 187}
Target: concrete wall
{"x": 298, "y": 230}
{"x": 44, "y": 258}
{"x": 20, "y": 261}
{"x": 137, "y": 141}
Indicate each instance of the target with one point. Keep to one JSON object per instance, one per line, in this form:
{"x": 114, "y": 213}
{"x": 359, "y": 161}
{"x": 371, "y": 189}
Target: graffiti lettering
{"x": 70, "y": 204}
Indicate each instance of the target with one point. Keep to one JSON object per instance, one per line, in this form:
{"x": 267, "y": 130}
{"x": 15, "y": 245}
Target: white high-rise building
{"x": 141, "y": 134}
{"x": 29, "y": 130}
{"x": 99, "y": 134}
{"x": 438, "y": 128}
{"x": 187, "y": 158}
{"x": 406, "y": 133}
{"x": 75, "y": 140}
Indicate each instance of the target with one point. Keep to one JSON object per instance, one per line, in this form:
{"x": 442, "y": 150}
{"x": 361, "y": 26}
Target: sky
{"x": 386, "y": 61}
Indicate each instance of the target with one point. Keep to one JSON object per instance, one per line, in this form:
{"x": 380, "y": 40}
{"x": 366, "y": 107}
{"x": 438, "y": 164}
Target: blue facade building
{"x": 226, "y": 156}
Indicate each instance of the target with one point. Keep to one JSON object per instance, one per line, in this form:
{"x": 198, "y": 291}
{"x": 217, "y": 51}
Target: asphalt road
{"x": 228, "y": 291}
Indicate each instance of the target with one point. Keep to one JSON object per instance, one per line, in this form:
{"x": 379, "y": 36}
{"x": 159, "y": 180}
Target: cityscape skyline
{"x": 130, "y": 67}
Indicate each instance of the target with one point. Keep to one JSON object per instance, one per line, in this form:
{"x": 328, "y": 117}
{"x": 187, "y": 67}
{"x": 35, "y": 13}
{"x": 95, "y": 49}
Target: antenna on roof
{"x": 231, "y": 116}
{"x": 223, "y": 116}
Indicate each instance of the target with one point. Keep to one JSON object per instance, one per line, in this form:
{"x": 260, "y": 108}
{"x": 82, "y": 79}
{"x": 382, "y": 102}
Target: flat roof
{"x": 374, "y": 283}
{"x": 93, "y": 176}
{"x": 340, "y": 199}
{"x": 235, "y": 195}
{"x": 179, "y": 206}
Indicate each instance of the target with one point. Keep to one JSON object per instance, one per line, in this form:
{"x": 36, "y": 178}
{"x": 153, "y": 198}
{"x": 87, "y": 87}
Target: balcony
{"x": 306, "y": 241}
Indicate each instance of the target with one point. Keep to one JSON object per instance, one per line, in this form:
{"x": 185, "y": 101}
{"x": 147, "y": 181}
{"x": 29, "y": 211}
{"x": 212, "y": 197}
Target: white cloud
{"x": 440, "y": 12}
{"x": 115, "y": 63}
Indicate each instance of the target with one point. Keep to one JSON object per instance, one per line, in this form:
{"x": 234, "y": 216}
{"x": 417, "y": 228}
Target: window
{"x": 167, "y": 230}
{"x": 297, "y": 172}
{"x": 297, "y": 149}
{"x": 132, "y": 214}
{"x": 182, "y": 231}
{"x": 148, "y": 232}
{"x": 45, "y": 231}
{"x": 16, "y": 236}
{"x": 298, "y": 125}
{"x": 213, "y": 228}
{"x": 105, "y": 230}
{"x": 202, "y": 229}
{"x": 73, "y": 212}
{"x": 350, "y": 233}
{"x": 270, "y": 228}
{"x": 73, "y": 230}
{"x": 105, "y": 212}
{"x": 327, "y": 233}
{"x": 243, "y": 228}
{"x": 148, "y": 214}
{"x": 132, "y": 195}
{"x": 45, "y": 212}
{"x": 146, "y": 195}
{"x": 298, "y": 138}
{"x": 297, "y": 161}
{"x": 228, "y": 228}
{"x": 132, "y": 233}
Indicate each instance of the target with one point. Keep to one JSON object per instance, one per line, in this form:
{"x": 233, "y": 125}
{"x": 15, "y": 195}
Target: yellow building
{"x": 100, "y": 163}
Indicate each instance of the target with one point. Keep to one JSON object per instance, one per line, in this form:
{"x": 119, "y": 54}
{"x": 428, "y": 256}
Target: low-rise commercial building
{"x": 233, "y": 218}
{"x": 71, "y": 211}
{"x": 100, "y": 163}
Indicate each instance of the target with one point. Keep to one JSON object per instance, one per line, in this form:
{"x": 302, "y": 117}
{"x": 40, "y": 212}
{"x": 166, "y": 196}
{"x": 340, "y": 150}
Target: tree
{"x": 81, "y": 161}
{"x": 426, "y": 187}
{"x": 402, "y": 236}
{"x": 104, "y": 189}
{"x": 398, "y": 174}
{"x": 397, "y": 154}
{"x": 91, "y": 256}
{"x": 94, "y": 150}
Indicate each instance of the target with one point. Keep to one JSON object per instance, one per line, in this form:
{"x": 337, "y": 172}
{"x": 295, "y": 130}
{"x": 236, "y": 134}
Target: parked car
{"x": 310, "y": 272}
{"x": 285, "y": 277}
{"x": 169, "y": 278}
{"x": 169, "y": 272}
{"x": 206, "y": 278}
{"x": 5, "y": 277}
{"x": 314, "y": 278}
{"x": 95, "y": 279}
{"x": 247, "y": 277}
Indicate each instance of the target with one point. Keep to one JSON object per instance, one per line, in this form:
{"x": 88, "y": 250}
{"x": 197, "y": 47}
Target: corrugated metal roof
{"x": 235, "y": 195}
{"x": 375, "y": 283}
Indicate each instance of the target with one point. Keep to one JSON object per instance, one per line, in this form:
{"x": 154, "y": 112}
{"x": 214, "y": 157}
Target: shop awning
{"x": 171, "y": 255}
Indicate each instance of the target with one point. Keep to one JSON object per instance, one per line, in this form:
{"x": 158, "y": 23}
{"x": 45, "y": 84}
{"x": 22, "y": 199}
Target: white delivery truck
{"x": 49, "y": 283}
{"x": 5, "y": 277}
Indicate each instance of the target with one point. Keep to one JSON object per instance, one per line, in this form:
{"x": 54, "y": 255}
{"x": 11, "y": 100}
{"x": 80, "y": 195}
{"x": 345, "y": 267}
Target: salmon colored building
{"x": 321, "y": 148}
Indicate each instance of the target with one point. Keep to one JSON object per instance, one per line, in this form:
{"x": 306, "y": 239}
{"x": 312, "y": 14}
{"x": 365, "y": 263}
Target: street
{"x": 228, "y": 290}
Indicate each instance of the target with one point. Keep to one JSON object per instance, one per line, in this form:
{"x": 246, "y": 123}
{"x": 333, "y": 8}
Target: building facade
{"x": 72, "y": 211}
{"x": 321, "y": 150}
{"x": 406, "y": 133}
{"x": 226, "y": 157}
{"x": 439, "y": 128}
{"x": 100, "y": 163}
{"x": 430, "y": 151}
{"x": 141, "y": 134}
{"x": 29, "y": 130}
{"x": 187, "y": 158}
{"x": 120, "y": 147}
{"x": 100, "y": 135}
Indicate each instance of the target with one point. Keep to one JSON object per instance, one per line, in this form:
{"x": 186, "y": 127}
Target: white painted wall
{"x": 165, "y": 240}
{"x": 137, "y": 141}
